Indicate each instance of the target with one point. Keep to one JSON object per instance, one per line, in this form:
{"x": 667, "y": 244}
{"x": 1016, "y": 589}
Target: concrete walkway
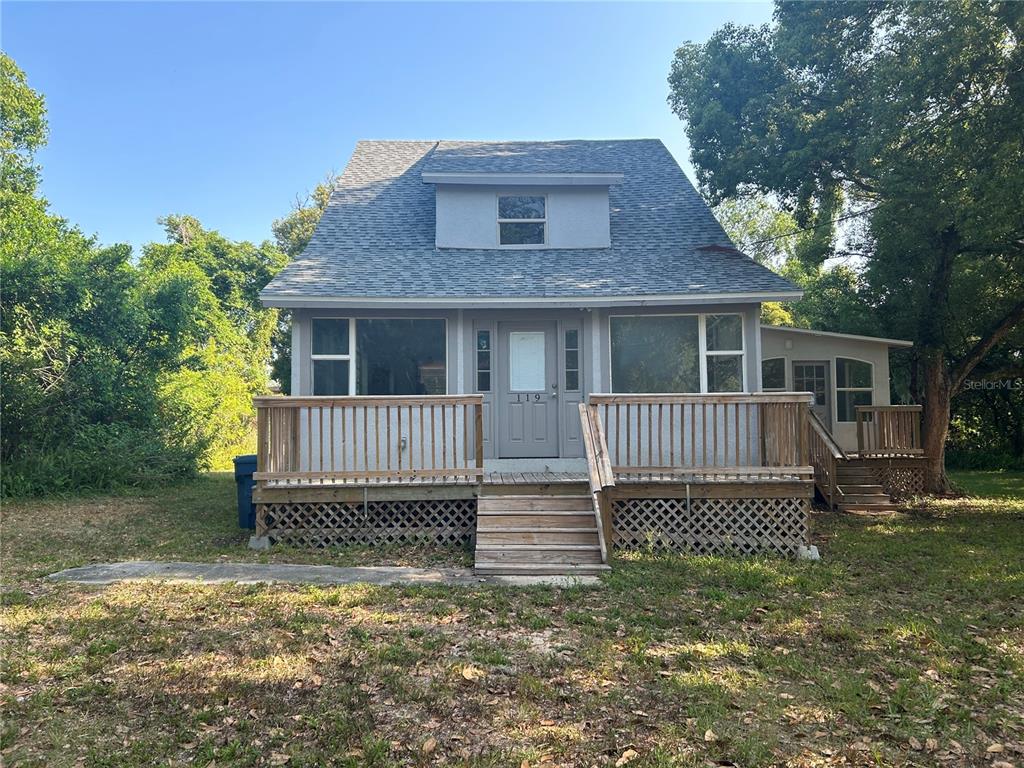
{"x": 284, "y": 573}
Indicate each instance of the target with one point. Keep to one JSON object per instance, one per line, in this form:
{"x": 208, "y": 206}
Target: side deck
{"x": 888, "y": 466}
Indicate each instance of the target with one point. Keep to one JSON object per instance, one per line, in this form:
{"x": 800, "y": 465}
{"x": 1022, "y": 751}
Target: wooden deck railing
{"x": 825, "y": 455}
{"x": 889, "y": 430}
{"x": 599, "y": 473}
{"x": 327, "y": 440}
{"x": 741, "y": 435}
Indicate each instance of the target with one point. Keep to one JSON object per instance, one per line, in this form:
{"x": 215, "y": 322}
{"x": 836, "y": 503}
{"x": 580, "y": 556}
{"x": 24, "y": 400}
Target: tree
{"x": 906, "y": 116}
{"x": 292, "y": 233}
{"x": 833, "y": 299}
{"x": 227, "y": 358}
{"x": 23, "y": 129}
{"x": 762, "y": 230}
{"x": 115, "y": 371}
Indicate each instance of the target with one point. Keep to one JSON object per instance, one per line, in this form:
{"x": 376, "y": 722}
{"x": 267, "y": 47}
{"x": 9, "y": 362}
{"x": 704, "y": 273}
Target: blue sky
{"x": 226, "y": 111}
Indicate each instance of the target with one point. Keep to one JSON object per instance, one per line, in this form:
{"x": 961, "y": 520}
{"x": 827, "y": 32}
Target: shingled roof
{"x": 375, "y": 240}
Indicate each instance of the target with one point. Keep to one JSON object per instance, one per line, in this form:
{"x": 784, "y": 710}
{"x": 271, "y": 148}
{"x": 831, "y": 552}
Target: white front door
{"x": 527, "y": 391}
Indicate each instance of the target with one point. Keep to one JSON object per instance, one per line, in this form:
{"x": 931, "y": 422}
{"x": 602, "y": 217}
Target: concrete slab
{"x": 286, "y": 573}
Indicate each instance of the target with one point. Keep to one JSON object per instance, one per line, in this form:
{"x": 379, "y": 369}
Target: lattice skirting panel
{"x": 712, "y": 526}
{"x": 332, "y": 523}
{"x": 900, "y": 482}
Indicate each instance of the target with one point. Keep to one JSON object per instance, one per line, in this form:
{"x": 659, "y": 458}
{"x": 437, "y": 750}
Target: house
{"x": 534, "y": 320}
{"x": 842, "y": 370}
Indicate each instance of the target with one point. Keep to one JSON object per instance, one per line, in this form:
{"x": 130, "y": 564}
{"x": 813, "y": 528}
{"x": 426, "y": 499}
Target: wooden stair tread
{"x": 540, "y": 569}
{"x": 537, "y": 534}
{"x": 536, "y": 512}
{"x": 544, "y": 499}
{"x": 546, "y": 547}
{"x": 537, "y": 529}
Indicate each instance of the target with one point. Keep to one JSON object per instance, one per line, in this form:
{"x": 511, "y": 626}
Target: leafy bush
{"x": 116, "y": 371}
{"x": 969, "y": 457}
{"x": 99, "y": 457}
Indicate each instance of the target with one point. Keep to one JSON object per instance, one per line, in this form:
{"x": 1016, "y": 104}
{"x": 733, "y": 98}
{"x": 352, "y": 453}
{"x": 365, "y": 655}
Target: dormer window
{"x": 522, "y": 220}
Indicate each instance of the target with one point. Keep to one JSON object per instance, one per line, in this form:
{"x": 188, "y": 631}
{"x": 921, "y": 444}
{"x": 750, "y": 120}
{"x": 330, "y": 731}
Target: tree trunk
{"x": 937, "y": 396}
{"x": 937, "y": 385}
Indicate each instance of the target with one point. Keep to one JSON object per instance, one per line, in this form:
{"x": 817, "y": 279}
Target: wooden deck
{"x": 531, "y": 480}
{"x": 888, "y": 466}
{"x": 706, "y": 473}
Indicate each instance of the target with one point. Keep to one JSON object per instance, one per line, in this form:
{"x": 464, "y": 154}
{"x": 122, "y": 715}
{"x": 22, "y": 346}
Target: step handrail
{"x": 599, "y": 473}
{"x": 824, "y": 454}
{"x": 819, "y": 426}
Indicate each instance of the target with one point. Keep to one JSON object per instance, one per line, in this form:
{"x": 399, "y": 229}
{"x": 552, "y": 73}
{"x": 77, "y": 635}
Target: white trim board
{"x": 833, "y": 334}
{"x": 475, "y": 302}
{"x": 525, "y": 179}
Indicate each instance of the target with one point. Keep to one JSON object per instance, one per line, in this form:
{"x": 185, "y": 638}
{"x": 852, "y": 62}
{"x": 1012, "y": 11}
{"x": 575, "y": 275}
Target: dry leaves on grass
{"x": 627, "y": 757}
{"x": 471, "y": 673}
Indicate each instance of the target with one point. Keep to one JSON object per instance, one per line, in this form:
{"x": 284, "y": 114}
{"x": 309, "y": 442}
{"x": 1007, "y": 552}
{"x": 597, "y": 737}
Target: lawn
{"x": 903, "y": 646}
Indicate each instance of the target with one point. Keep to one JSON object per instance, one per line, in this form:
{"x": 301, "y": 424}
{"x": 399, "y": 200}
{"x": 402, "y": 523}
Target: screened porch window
{"x": 331, "y": 355}
{"x": 655, "y": 353}
{"x": 378, "y": 357}
{"x": 724, "y": 352}
{"x": 773, "y": 374}
{"x": 853, "y": 387}
{"x": 677, "y": 353}
{"x": 400, "y": 357}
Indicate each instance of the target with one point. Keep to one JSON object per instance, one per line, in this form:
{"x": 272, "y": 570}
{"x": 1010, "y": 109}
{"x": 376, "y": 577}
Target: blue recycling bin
{"x": 244, "y": 468}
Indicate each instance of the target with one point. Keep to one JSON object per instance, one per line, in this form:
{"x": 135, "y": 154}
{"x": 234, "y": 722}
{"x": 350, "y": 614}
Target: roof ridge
{"x": 619, "y": 140}
{"x": 550, "y": 141}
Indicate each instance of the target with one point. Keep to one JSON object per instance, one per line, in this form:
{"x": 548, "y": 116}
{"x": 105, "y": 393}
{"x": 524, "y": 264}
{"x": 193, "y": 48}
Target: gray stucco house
{"x": 530, "y": 272}
{"x": 554, "y": 349}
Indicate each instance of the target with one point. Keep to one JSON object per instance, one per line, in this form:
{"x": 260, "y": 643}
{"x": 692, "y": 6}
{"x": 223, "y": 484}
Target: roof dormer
{"x": 522, "y": 210}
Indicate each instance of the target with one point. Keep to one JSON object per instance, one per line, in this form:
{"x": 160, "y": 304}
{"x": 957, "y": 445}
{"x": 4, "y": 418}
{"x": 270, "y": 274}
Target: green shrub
{"x": 980, "y": 457}
{"x": 100, "y": 457}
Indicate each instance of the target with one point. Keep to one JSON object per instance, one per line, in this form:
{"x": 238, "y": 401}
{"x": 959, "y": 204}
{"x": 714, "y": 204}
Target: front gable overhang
{"x": 293, "y": 301}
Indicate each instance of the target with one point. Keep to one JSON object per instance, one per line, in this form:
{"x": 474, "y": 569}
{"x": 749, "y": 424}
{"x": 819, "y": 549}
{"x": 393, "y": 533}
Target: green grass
{"x": 193, "y": 521}
{"x": 903, "y": 646}
{"x": 1006, "y": 484}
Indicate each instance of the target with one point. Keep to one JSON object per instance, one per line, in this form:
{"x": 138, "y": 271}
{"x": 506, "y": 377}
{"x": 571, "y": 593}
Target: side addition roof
{"x": 375, "y": 242}
{"x": 900, "y": 343}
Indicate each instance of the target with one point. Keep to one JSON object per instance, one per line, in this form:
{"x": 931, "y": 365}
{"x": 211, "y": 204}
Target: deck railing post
{"x": 803, "y": 457}
{"x": 478, "y": 434}
{"x": 261, "y": 440}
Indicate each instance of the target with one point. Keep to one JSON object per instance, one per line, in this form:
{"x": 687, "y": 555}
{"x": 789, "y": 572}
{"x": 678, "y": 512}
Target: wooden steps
{"x": 858, "y": 491}
{"x": 537, "y": 535}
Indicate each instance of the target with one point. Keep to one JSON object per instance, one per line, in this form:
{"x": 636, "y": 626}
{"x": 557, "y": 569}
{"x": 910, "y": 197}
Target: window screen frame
{"x": 741, "y": 353}
{"x": 350, "y": 356}
{"x": 352, "y": 351}
{"x": 702, "y": 347}
{"x": 785, "y": 373}
{"x": 499, "y": 221}
{"x": 838, "y": 389}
